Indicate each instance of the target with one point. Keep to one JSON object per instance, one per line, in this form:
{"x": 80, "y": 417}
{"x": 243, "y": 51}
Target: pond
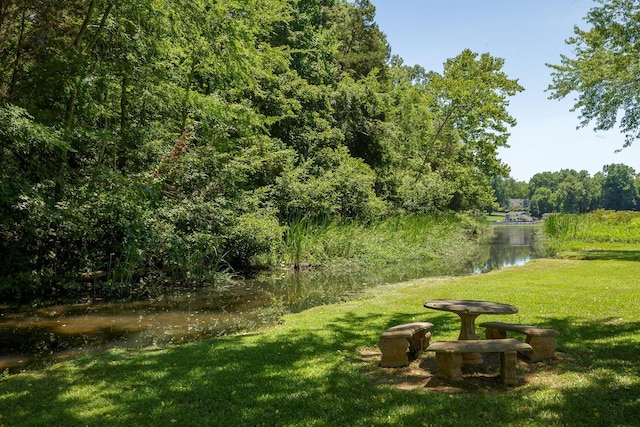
{"x": 49, "y": 334}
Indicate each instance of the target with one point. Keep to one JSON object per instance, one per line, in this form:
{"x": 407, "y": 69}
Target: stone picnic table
{"x": 468, "y": 310}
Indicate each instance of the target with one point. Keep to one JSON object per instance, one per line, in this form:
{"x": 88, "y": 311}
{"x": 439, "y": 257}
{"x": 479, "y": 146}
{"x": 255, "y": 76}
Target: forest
{"x": 163, "y": 142}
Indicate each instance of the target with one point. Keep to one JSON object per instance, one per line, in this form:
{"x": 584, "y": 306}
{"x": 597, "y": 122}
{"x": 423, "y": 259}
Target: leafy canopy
{"x": 605, "y": 69}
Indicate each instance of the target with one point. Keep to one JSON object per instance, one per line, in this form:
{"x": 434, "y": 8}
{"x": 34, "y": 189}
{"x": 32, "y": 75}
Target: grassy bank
{"x": 594, "y": 235}
{"x": 319, "y": 367}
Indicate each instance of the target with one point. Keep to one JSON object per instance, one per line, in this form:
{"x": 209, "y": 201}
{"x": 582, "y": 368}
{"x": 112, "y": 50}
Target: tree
{"x": 619, "y": 191}
{"x": 446, "y": 129}
{"x": 359, "y": 113}
{"x": 592, "y": 186}
{"x": 308, "y": 35}
{"x": 570, "y": 194}
{"x": 501, "y": 191}
{"x": 564, "y": 191}
{"x": 549, "y": 180}
{"x": 363, "y": 48}
{"x": 508, "y": 188}
{"x": 604, "y": 71}
{"x": 470, "y": 100}
{"x": 542, "y": 202}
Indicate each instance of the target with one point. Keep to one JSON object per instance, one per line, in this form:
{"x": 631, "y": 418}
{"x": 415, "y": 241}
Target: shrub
{"x": 427, "y": 196}
{"x": 332, "y": 184}
{"x": 250, "y": 235}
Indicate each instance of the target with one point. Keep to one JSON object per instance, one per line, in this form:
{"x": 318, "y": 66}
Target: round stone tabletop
{"x": 470, "y": 306}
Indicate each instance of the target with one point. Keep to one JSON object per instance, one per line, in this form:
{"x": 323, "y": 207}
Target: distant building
{"x": 523, "y": 203}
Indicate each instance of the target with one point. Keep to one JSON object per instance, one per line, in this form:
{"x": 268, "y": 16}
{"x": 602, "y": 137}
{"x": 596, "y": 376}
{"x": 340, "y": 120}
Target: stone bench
{"x": 542, "y": 341}
{"x": 449, "y": 356}
{"x": 400, "y": 341}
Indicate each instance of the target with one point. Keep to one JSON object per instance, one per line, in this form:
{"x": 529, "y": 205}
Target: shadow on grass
{"x": 601, "y": 255}
{"x": 316, "y": 377}
{"x": 608, "y": 343}
{"x": 602, "y": 355}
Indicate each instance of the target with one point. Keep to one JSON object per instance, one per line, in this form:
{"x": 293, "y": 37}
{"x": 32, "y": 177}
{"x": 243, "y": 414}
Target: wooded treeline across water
{"x": 616, "y": 188}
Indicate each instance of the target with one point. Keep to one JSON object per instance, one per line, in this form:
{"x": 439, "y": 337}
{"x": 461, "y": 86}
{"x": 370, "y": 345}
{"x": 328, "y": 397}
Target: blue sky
{"x": 527, "y": 34}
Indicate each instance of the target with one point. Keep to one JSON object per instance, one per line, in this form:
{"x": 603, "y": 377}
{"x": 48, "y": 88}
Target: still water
{"x": 511, "y": 245}
{"x": 53, "y": 333}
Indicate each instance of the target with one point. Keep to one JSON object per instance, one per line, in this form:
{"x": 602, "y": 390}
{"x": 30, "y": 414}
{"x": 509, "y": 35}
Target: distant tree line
{"x": 615, "y": 188}
{"x": 149, "y": 142}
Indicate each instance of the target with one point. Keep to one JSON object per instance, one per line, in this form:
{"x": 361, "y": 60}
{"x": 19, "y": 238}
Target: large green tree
{"x": 461, "y": 120}
{"x": 619, "y": 190}
{"x": 603, "y": 70}
{"x": 564, "y": 191}
{"x": 362, "y": 47}
{"x": 542, "y": 202}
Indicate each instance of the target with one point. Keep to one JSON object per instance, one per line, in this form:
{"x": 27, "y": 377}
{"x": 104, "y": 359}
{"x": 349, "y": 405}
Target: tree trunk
{"x": 85, "y": 25}
{"x": 433, "y": 141}
{"x": 187, "y": 96}
{"x": 103, "y": 22}
{"x": 16, "y": 59}
{"x": 124, "y": 116}
{"x": 68, "y": 120}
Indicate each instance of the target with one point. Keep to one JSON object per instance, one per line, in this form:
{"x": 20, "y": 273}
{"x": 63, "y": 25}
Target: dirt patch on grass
{"x": 484, "y": 378}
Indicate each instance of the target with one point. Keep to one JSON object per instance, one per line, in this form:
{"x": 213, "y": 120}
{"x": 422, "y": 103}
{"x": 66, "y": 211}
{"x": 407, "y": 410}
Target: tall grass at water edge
{"x": 584, "y": 235}
{"x": 399, "y": 239}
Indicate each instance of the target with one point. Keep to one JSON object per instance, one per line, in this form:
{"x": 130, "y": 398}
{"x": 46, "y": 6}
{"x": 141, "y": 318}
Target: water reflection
{"x": 511, "y": 245}
{"x": 61, "y": 332}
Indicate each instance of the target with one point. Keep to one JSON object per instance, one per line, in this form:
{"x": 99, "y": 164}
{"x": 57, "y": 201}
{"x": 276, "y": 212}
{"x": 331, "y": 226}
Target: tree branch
{"x": 433, "y": 140}
{"x": 103, "y": 22}
{"x": 85, "y": 25}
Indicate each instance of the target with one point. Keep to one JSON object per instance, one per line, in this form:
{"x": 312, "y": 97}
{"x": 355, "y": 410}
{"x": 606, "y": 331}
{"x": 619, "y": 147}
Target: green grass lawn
{"x": 495, "y": 216}
{"x": 319, "y": 367}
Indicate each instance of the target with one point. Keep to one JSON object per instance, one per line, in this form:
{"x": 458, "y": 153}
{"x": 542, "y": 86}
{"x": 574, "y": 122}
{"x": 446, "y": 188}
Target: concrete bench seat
{"x": 449, "y": 356}
{"x": 542, "y": 341}
{"x": 399, "y": 342}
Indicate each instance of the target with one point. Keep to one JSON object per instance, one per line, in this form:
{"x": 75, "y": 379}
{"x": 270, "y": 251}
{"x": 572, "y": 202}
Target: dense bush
{"x": 428, "y": 195}
{"x": 332, "y": 184}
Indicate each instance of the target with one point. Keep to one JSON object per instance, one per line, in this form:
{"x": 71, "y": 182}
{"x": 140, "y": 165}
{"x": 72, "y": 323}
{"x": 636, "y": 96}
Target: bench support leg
{"x": 419, "y": 342}
{"x": 543, "y": 347}
{"x": 494, "y": 334}
{"x": 394, "y": 352}
{"x": 508, "y": 367}
{"x": 449, "y": 365}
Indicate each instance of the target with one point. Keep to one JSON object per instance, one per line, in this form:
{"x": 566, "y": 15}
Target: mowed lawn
{"x": 319, "y": 367}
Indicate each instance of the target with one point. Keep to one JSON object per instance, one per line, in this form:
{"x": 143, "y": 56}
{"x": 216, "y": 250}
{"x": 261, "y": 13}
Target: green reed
{"x": 353, "y": 244}
{"x": 599, "y": 226}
